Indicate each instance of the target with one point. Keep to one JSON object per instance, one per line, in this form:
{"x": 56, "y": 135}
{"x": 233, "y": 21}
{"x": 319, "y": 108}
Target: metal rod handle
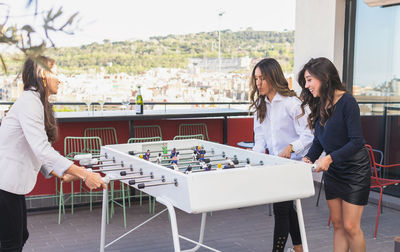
{"x": 108, "y": 160}
{"x": 142, "y": 185}
{"x": 105, "y": 165}
{"x": 132, "y": 182}
{"x": 149, "y": 180}
{"x": 124, "y": 173}
{"x": 108, "y": 170}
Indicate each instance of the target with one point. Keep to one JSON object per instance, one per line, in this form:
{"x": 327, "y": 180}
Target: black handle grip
{"x": 131, "y": 182}
{"x": 141, "y": 186}
{"x": 123, "y": 173}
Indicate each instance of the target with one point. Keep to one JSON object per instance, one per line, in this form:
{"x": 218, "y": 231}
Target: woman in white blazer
{"x": 26, "y": 136}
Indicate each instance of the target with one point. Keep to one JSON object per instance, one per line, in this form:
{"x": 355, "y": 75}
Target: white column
{"x": 319, "y": 32}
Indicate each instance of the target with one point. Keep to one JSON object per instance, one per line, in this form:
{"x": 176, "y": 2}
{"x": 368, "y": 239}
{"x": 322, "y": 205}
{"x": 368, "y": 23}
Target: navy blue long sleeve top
{"x": 342, "y": 135}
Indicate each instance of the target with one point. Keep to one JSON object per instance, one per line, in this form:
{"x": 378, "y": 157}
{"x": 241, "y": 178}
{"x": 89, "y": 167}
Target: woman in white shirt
{"x": 281, "y": 127}
{"x": 26, "y": 135}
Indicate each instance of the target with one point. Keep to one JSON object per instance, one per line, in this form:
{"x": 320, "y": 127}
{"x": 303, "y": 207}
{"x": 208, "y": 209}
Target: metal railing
{"x": 147, "y": 104}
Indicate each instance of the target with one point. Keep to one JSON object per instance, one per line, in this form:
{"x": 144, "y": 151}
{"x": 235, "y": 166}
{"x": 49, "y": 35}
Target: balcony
{"x": 380, "y": 121}
{"x": 246, "y": 229}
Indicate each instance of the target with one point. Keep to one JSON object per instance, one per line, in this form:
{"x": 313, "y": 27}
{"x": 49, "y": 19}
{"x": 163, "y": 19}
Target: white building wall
{"x": 319, "y": 32}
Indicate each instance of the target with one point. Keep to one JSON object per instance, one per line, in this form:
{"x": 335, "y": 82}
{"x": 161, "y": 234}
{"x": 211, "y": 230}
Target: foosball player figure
{"x": 147, "y": 155}
{"x": 173, "y": 153}
{"x": 141, "y": 156}
{"x": 208, "y": 168}
{"x": 159, "y": 158}
{"x": 165, "y": 151}
{"x": 228, "y": 163}
{"x": 201, "y": 155}
{"x": 194, "y": 155}
{"x": 203, "y": 165}
{"x": 235, "y": 160}
{"x": 174, "y": 158}
{"x": 247, "y": 163}
{"x": 188, "y": 169}
{"x": 197, "y": 149}
{"x": 219, "y": 167}
{"x": 174, "y": 167}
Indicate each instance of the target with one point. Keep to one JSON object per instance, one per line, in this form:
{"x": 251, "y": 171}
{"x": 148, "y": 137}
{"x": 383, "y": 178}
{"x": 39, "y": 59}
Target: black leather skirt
{"x": 349, "y": 180}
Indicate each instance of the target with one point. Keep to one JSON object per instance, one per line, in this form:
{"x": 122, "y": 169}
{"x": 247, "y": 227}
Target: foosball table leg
{"x": 301, "y": 225}
{"x": 201, "y": 237}
{"x": 104, "y": 219}
{"x": 174, "y": 225}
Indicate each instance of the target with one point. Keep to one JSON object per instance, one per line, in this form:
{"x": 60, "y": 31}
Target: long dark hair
{"x": 273, "y": 74}
{"x": 33, "y": 79}
{"x": 322, "y": 106}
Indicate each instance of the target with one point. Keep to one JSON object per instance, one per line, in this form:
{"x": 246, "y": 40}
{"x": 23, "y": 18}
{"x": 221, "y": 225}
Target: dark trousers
{"x": 13, "y": 227}
{"x": 286, "y": 222}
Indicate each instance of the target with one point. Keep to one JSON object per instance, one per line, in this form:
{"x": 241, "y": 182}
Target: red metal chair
{"x": 377, "y": 181}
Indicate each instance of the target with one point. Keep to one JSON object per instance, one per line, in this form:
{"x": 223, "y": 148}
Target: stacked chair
{"x": 142, "y": 134}
{"x": 108, "y": 136}
{"x": 197, "y": 136}
{"x": 192, "y": 129}
{"x": 146, "y": 133}
{"x": 74, "y": 146}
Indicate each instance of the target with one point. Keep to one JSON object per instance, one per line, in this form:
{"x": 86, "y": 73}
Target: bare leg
{"x": 298, "y": 248}
{"x": 341, "y": 242}
{"x": 352, "y": 224}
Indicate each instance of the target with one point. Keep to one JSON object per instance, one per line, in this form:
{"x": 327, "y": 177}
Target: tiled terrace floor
{"x": 237, "y": 230}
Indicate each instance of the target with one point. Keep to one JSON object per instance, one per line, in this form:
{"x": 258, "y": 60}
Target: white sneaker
{"x": 290, "y": 250}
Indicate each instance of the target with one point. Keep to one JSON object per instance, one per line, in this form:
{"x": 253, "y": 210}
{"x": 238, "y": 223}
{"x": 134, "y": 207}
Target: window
{"x": 376, "y": 75}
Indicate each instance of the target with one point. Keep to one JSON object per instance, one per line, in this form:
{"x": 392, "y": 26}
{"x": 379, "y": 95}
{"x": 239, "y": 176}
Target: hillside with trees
{"x": 173, "y": 51}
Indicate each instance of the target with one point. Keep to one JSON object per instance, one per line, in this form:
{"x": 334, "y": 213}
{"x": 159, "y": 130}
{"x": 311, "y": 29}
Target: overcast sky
{"x": 131, "y": 19}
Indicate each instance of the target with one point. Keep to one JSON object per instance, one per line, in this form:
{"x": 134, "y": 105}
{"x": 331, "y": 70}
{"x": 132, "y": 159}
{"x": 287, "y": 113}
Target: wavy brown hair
{"x": 321, "y": 107}
{"x": 32, "y": 79}
{"x": 273, "y": 74}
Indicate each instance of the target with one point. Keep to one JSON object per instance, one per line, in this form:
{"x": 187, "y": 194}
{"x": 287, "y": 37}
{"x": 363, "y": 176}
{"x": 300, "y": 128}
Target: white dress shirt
{"x": 24, "y": 146}
{"x": 281, "y": 128}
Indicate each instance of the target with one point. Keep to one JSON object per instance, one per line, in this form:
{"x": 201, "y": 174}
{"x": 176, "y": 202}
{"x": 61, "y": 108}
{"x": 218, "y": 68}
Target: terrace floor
{"x": 241, "y": 230}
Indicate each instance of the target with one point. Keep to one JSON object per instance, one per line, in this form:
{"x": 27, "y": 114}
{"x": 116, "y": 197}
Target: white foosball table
{"x": 249, "y": 179}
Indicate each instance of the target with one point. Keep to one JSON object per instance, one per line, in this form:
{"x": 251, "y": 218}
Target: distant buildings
{"x": 198, "y": 82}
{"x": 212, "y": 64}
{"x": 387, "y": 88}
{"x": 10, "y": 87}
{"x": 158, "y": 85}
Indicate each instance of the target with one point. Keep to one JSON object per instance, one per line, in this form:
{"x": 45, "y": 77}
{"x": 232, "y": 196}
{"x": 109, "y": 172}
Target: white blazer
{"x": 24, "y": 146}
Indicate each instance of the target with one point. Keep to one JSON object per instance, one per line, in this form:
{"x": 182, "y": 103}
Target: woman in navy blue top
{"x": 335, "y": 118}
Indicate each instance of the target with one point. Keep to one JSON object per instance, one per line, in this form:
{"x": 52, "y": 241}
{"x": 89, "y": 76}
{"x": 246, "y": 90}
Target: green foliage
{"x": 173, "y": 51}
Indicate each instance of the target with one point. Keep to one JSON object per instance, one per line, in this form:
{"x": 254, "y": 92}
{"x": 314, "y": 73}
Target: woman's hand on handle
{"x": 93, "y": 181}
{"x": 69, "y": 178}
{"x": 287, "y": 152}
{"x": 323, "y": 163}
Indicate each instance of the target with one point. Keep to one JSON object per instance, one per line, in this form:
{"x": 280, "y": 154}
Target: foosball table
{"x": 199, "y": 176}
